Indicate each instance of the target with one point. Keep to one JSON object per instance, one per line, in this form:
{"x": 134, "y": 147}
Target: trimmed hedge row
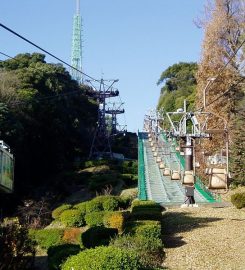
{"x": 46, "y": 238}
{"x": 87, "y": 212}
{"x": 104, "y": 258}
{"x": 98, "y": 236}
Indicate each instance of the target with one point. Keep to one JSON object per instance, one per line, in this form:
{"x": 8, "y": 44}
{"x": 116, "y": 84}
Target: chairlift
{"x": 155, "y": 154}
{"x": 188, "y": 178}
{"x": 166, "y": 172}
{"x": 153, "y": 149}
{"x": 158, "y": 159}
{"x": 218, "y": 179}
{"x": 161, "y": 165}
{"x": 175, "y": 175}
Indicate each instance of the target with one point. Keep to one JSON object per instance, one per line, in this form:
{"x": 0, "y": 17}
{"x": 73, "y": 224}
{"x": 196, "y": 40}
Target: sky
{"x": 130, "y": 40}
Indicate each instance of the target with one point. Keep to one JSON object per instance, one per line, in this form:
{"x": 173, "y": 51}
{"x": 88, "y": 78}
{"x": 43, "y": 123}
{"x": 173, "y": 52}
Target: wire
{"x": 6, "y": 55}
{"x": 50, "y": 54}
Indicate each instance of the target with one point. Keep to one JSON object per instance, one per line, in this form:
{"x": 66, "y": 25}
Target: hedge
{"x": 98, "y": 236}
{"x": 81, "y": 206}
{"x": 59, "y": 210}
{"x": 104, "y": 258}
{"x": 72, "y": 218}
{"x": 94, "y": 218}
{"x": 46, "y": 238}
{"x": 114, "y": 220}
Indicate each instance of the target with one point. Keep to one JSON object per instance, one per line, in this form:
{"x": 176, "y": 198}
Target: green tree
{"x": 179, "y": 84}
{"x": 45, "y": 116}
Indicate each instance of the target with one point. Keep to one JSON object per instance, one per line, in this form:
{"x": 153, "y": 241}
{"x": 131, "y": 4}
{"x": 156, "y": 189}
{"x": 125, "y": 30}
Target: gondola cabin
{"x": 6, "y": 169}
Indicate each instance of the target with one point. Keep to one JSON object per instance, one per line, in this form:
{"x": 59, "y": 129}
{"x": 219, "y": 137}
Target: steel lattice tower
{"x": 76, "y": 54}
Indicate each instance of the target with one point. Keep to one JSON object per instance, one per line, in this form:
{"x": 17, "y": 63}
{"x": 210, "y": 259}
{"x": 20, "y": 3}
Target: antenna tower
{"x": 76, "y": 54}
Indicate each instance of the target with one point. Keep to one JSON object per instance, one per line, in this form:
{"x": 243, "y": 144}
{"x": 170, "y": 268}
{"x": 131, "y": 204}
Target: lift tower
{"x": 76, "y": 54}
{"x": 101, "y": 146}
{"x": 115, "y": 110}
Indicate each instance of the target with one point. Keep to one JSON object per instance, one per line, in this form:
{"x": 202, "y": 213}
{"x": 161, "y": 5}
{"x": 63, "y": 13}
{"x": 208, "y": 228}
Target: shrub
{"x": 72, "y": 218}
{"x": 58, "y": 254}
{"x": 104, "y": 258}
{"x": 144, "y": 214}
{"x": 131, "y": 227}
{"x": 149, "y": 251}
{"x": 58, "y": 211}
{"x": 94, "y": 218}
{"x": 72, "y": 235}
{"x": 47, "y": 237}
{"x": 81, "y": 207}
{"x": 110, "y": 203}
{"x": 94, "y": 205}
{"x": 114, "y": 220}
{"x": 145, "y": 204}
{"x": 98, "y": 236}
{"x": 238, "y": 199}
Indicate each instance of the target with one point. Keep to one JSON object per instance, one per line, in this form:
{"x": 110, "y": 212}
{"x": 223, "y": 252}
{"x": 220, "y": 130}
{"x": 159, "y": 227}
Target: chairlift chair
{"x": 218, "y": 178}
{"x": 158, "y": 159}
{"x": 188, "y": 178}
{"x": 161, "y": 165}
{"x": 175, "y": 175}
{"x": 166, "y": 172}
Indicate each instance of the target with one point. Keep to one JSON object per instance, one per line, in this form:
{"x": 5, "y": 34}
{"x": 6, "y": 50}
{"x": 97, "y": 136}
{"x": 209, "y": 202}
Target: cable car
{"x": 6, "y": 169}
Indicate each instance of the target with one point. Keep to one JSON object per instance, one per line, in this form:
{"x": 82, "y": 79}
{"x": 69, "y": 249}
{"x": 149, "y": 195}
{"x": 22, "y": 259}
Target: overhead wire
{"x": 47, "y": 52}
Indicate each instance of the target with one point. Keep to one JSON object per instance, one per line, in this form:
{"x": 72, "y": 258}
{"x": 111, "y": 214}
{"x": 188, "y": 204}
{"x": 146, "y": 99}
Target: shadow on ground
{"x": 175, "y": 222}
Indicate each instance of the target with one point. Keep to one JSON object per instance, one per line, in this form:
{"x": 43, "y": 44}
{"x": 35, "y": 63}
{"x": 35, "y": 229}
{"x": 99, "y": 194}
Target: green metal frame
{"x": 142, "y": 193}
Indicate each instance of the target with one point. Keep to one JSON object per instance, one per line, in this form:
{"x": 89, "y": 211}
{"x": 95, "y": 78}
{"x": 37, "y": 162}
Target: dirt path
{"x": 205, "y": 239}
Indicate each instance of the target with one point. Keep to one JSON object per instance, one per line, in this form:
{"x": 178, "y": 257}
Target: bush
{"x": 131, "y": 227}
{"x": 98, "y": 236}
{"x": 81, "y": 207}
{"x": 72, "y": 218}
{"x": 94, "y": 218}
{"x": 94, "y": 205}
{"x": 148, "y": 204}
{"x": 58, "y": 254}
{"x": 104, "y": 258}
{"x": 72, "y": 235}
{"x": 238, "y": 200}
{"x": 149, "y": 251}
{"x": 114, "y": 220}
{"x": 110, "y": 203}
{"x": 47, "y": 237}
{"x": 59, "y": 210}
{"x": 146, "y": 214}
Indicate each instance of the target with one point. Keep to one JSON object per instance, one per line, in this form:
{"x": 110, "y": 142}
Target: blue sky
{"x": 130, "y": 40}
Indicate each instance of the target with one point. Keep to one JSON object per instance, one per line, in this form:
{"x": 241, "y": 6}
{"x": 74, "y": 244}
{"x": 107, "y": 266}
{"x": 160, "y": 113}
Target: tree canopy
{"x": 45, "y": 117}
{"x": 179, "y": 83}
